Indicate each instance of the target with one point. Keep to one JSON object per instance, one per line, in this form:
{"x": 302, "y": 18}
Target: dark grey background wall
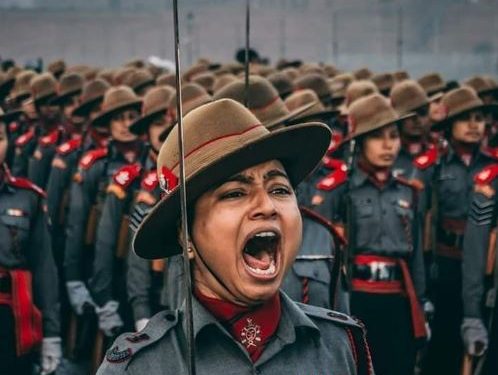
{"x": 456, "y": 37}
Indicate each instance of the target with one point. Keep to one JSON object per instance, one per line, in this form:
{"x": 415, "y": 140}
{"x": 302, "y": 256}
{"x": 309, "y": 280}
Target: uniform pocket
{"x": 318, "y": 270}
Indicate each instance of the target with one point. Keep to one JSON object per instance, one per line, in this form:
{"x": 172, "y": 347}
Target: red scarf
{"x": 252, "y": 327}
{"x": 414, "y": 146}
{"x": 378, "y": 176}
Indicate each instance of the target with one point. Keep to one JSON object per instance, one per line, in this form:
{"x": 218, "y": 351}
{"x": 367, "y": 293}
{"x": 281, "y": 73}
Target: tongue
{"x": 262, "y": 262}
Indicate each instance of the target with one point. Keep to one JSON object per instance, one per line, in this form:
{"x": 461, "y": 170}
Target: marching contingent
{"x": 339, "y": 222}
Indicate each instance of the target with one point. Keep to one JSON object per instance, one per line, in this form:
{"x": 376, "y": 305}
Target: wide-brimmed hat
{"x": 312, "y": 68}
{"x": 138, "y": 79}
{"x": 193, "y": 70}
{"x": 316, "y": 82}
{"x": 292, "y": 73}
{"x": 408, "y": 96}
{"x": 223, "y": 80}
{"x": 193, "y": 96}
{"x": 263, "y": 101}
{"x": 206, "y": 80}
{"x": 316, "y": 112}
{"x": 331, "y": 70}
{"x": 460, "y": 101}
{"x": 70, "y": 84}
{"x": 339, "y": 85}
{"x": 222, "y": 138}
{"x": 166, "y": 79}
{"x": 116, "y": 99}
{"x": 155, "y": 102}
{"x": 93, "y": 93}
{"x": 363, "y": 73}
{"x": 43, "y": 88}
{"x": 384, "y": 82}
{"x": 370, "y": 113}
{"x": 56, "y": 67}
{"x": 401, "y": 75}
{"x": 282, "y": 83}
{"x": 22, "y": 86}
{"x": 480, "y": 84}
{"x": 120, "y": 75}
{"x": 359, "y": 89}
{"x": 432, "y": 83}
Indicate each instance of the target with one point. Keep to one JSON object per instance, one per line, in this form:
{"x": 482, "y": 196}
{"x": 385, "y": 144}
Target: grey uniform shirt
{"x": 25, "y": 244}
{"x": 309, "y": 340}
{"x": 481, "y": 220}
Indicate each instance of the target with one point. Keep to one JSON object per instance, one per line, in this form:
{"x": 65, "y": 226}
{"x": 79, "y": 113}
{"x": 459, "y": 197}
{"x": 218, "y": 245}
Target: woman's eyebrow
{"x": 240, "y": 178}
{"x": 275, "y": 173}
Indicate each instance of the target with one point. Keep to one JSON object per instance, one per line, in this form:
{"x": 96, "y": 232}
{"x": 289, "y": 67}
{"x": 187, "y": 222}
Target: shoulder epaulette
{"x": 491, "y": 152}
{"x": 333, "y": 164}
{"x": 427, "y": 159}
{"x": 129, "y": 344}
{"x": 50, "y": 139}
{"x": 150, "y": 181}
{"x": 413, "y": 183}
{"x": 487, "y": 175}
{"x": 25, "y": 138}
{"x": 69, "y": 146}
{"x": 91, "y": 157}
{"x": 125, "y": 175}
{"x": 24, "y": 183}
{"x": 333, "y": 180}
{"x": 331, "y": 315}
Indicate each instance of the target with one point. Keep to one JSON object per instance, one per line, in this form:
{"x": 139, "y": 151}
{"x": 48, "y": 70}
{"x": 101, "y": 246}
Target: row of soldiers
{"x": 385, "y": 237}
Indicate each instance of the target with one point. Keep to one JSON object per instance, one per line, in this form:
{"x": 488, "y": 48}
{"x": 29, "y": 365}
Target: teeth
{"x": 271, "y": 270}
{"x": 265, "y": 234}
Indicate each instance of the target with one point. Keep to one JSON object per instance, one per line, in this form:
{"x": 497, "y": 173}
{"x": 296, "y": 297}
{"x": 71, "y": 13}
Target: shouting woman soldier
{"x": 245, "y": 230}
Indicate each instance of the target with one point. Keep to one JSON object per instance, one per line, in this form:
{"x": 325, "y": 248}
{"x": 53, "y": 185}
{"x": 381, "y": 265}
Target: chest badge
{"x": 251, "y": 334}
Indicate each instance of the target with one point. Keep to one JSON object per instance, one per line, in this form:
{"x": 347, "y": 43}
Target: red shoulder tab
{"x": 492, "y": 152}
{"x": 125, "y": 176}
{"x": 14, "y": 126}
{"x": 69, "y": 146}
{"x": 427, "y": 159}
{"x": 487, "y": 175}
{"x": 91, "y": 157}
{"x": 333, "y": 180}
{"x": 335, "y": 143}
{"x": 333, "y": 164}
{"x": 25, "y": 138}
{"x": 24, "y": 183}
{"x": 150, "y": 181}
{"x": 50, "y": 139}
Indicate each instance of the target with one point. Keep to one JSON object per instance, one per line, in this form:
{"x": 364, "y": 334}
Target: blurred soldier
{"x": 88, "y": 191}
{"x": 50, "y": 131}
{"x": 29, "y": 306}
{"x": 145, "y": 278}
{"x": 453, "y": 181}
{"x": 245, "y": 233}
{"x": 382, "y": 220}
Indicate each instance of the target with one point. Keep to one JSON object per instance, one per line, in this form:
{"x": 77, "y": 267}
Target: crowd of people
{"x": 373, "y": 195}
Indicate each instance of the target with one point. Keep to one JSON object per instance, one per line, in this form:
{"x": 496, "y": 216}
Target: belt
{"x": 449, "y": 242}
{"x": 385, "y": 267}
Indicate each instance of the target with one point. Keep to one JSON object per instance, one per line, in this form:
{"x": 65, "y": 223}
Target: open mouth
{"x": 261, "y": 254}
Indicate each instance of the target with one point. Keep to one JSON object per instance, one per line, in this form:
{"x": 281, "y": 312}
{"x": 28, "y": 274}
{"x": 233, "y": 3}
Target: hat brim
{"x": 157, "y": 235}
{"x": 61, "y": 99}
{"x": 140, "y": 126}
{"x": 84, "y": 108}
{"x": 11, "y": 116}
{"x": 6, "y": 87}
{"x": 292, "y": 115}
{"x": 380, "y": 126}
{"x": 104, "y": 118}
{"x": 448, "y": 120}
{"x": 318, "y": 116}
{"x": 44, "y": 100}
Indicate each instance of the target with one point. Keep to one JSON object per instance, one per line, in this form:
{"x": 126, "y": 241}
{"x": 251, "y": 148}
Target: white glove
{"x": 51, "y": 354}
{"x": 475, "y": 336}
{"x": 109, "y": 320}
{"x": 140, "y": 324}
{"x": 78, "y": 296}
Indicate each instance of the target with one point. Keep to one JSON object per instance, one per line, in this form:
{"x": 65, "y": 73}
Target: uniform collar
{"x": 360, "y": 177}
{"x": 292, "y": 319}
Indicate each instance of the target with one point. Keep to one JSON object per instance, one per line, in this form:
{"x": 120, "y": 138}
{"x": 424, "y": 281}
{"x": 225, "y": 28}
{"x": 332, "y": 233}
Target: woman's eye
{"x": 232, "y": 195}
{"x": 281, "y": 191}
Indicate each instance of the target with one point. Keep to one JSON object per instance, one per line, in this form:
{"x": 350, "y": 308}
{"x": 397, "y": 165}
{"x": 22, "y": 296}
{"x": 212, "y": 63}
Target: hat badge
{"x": 167, "y": 180}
